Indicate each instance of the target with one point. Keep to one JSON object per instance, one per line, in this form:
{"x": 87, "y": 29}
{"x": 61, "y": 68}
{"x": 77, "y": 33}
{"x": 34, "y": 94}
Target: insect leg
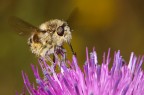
{"x": 60, "y": 50}
{"x": 54, "y": 60}
{"x": 74, "y": 53}
{"x": 64, "y": 54}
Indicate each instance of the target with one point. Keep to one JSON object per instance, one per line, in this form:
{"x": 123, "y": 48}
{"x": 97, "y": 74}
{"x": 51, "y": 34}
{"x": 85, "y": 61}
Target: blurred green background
{"x": 115, "y": 24}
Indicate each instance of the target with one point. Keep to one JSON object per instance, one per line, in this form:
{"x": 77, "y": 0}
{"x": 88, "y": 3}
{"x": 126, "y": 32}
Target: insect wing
{"x": 21, "y": 26}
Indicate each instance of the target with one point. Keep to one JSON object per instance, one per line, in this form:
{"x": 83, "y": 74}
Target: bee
{"x": 46, "y": 39}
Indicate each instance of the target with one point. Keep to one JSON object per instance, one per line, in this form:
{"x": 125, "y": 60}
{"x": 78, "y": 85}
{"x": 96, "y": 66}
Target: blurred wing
{"x": 21, "y": 26}
{"x": 72, "y": 17}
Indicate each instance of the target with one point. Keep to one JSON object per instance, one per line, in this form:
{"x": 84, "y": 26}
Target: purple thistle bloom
{"x": 95, "y": 79}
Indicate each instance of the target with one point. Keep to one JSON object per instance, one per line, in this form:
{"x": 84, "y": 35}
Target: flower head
{"x": 94, "y": 79}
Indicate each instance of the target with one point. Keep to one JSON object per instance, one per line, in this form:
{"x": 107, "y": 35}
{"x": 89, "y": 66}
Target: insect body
{"x": 48, "y": 38}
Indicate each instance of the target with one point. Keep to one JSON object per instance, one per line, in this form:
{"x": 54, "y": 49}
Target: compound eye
{"x": 35, "y": 38}
{"x": 60, "y": 31}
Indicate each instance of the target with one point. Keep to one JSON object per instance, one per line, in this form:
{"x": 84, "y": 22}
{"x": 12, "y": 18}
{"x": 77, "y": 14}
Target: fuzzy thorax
{"x": 53, "y": 33}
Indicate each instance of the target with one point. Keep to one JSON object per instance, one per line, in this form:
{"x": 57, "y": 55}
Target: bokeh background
{"x": 115, "y": 24}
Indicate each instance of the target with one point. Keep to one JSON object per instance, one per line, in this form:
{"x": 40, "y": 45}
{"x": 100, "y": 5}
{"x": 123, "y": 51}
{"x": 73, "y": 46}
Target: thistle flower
{"x": 94, "y": 79}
